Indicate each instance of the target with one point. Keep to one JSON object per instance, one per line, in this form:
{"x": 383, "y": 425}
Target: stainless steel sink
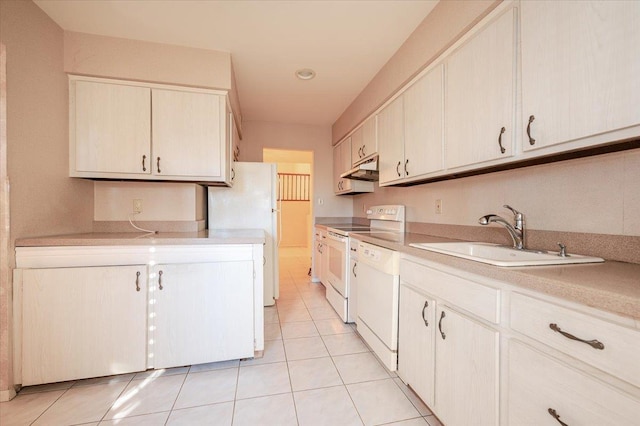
{"x": 498, "y": 255}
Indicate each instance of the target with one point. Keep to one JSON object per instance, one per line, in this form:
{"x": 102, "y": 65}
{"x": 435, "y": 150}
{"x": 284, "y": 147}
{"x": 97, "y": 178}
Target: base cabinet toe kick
{"x": 149, "y": 308}
{"x": 480, "y": 351}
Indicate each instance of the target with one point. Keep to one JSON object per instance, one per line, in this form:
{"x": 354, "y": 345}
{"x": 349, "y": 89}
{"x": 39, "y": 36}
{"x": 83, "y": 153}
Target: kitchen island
{"x": 89, "y": 305}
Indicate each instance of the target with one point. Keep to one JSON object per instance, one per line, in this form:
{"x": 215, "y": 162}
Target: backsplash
{"x": 593, "y": 195}
{"x": 166, "y": 207}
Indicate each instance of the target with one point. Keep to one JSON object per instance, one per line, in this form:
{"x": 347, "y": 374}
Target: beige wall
{"x": 259, "y": 135}
{"x": 591, "y": 195}
{"x": 113, "y": 201}
{"x": 44, "y": 201}
{"x": 448, "y": 21}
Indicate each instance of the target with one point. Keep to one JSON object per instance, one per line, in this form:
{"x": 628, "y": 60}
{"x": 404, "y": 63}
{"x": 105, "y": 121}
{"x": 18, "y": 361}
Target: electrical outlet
{"x": 438, "y": 206}
{"x": 137, "y": 206}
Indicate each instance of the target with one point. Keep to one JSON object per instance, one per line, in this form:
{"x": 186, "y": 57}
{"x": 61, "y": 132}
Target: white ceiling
{"x": 345, "y": 42}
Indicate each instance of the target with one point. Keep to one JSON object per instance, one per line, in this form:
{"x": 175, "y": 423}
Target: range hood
{"x": 367, "y": 171}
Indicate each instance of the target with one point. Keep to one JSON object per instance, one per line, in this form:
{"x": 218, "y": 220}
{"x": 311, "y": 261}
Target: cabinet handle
{"x": 593, "y": 343}
{"x": 532, "y": 141}
{"x": 158, "y": 165}
{"x": 398, "y": 168}
{"x": 502, "y": 150}
{"x": 444, "y": 336}
{"x": 364, "y": 153}
{"x": 556, "y": 416}
{"x": 354, "y": 270}
{"x": 160, "y": 280}
{"x": 138, "y": 281}
{"x": 144, "y": 158}
{"x": 360, "y": 152}
{"x": 424, "y": 308}
{"x": 406, "y": 172}
{"x": 233, "y": 174}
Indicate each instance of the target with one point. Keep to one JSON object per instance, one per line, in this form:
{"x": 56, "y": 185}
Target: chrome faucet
{"x": 517, "y": 231}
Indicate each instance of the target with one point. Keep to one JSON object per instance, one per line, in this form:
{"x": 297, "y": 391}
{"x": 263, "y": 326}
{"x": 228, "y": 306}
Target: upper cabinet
{"x": 364, "y": 142}
{"x": 580, "y": 71}
{"x": 123, "y": 130}
{"x": 111, "y": 128}
{"x": 341, "y": 164}
{"x": 391, "y": 142}
{"x": 410, "y": 131}
{"x": 480, "y": 95}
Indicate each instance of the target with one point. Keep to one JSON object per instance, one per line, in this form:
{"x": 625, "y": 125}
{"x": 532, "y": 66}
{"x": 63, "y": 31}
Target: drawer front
{"x": 538, "y": 384}
{"x": 471, "y": 296}
{"x": 620, "y": 345}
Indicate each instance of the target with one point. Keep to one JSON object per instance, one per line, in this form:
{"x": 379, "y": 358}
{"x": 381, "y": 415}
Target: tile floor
{"x": 315, "y": 371}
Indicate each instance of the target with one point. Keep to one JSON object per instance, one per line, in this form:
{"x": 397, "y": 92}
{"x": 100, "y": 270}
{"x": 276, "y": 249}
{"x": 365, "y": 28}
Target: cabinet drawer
{"x": 619, "y": 356}
{"x": 538, "y": 384}
{"x": 471, "y": 296}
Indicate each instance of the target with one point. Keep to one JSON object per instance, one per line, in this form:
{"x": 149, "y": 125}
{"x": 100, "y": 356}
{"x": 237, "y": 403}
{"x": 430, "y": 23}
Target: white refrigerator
{"x": 251, "y": 204}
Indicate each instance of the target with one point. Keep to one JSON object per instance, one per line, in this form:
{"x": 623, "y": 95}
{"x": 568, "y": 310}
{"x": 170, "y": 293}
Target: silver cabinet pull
{"x": 444, "y": 336}
{"x": 593, "y": 343}
{"x": 144, "y": 168}
{"x": 424, "y": 308}
{"x": 160, "y": 280}
{"x": 406, "y": 172}
{"x": 354, "y": 270}
{"x": 158, "y": 165}
{"x": 398, "y": 168}
{"x": 138, "y": 281}
{"x": 502, "y": 150}
{"x": 556, "y": 416}
{"x": 532, "y": 141}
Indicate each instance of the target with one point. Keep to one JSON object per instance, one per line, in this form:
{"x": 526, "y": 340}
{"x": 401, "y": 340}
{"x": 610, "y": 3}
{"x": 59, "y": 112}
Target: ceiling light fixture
{"x": 305, "y": 74}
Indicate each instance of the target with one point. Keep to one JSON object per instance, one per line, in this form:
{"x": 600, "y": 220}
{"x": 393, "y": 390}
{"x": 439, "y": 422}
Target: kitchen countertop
{"x": 212, "y": 236}
{"x": 611, "y": 286}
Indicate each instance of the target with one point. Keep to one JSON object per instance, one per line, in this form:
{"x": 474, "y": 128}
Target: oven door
{"x": 337, "y": 246}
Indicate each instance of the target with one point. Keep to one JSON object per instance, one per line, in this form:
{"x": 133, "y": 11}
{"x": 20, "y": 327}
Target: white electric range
{"x": 385, "y": 220}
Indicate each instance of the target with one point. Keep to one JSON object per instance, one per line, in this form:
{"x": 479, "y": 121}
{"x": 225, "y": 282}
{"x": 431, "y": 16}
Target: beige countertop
{"x": 610, "y": 286}
{"x": 212, "y": 236}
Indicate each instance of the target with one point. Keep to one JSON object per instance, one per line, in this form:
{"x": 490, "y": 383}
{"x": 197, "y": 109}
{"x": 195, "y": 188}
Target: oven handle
{"x": 334, "y": 287}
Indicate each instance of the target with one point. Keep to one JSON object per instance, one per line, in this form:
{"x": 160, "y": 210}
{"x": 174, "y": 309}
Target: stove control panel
{"x": 391, "y": 212}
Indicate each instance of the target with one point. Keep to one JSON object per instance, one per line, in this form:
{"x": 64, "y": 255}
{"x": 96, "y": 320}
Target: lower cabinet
{"x": 148, "y": 307}
{"x": 450, "y": 359}
{"x": 74, "y": 327}
{"x": 467, "y": 370}
{"x": 192, "y": 302}
{"x": 544, "y": 391}
{"x": 416, "y": 344}
{"x": 483, "y": 352}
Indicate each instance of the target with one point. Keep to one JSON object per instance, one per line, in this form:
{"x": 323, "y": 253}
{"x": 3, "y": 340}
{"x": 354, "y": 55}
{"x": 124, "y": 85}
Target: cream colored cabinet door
{"x": 544, "y": 391}
{"x": 391, "y": 142}
{"x": 467, "y": 370}
{"x": 110, "y": 128}
{"x": 189, "y": 134}
{"x": 423, "y": 125}
{"x": 580, "y": 69}
{"x": 416, "y": 344}
{"x": 364, "y": 143}
{"x": 83, "y": 322}
{"x": 202, "y": 312}
{"x": 341, "y": 164}
{"x": 480, "y": 92}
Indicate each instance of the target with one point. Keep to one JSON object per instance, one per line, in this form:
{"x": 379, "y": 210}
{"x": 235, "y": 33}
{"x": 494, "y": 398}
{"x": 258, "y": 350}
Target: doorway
{"x": 295, "y": 192}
